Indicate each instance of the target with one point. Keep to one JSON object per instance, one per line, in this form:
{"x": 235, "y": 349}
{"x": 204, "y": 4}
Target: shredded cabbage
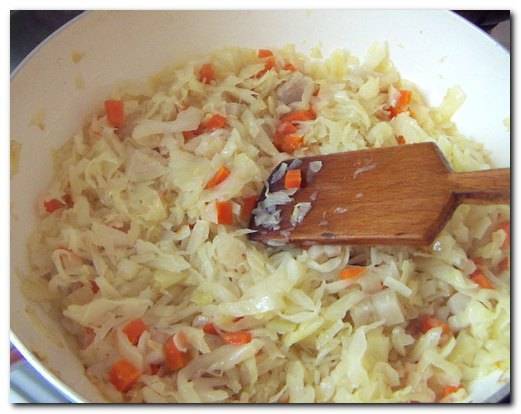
{"x": 142, "y": 240}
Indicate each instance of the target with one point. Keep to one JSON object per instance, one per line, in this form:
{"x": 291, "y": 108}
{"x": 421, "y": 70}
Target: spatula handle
{"x": 482, "y": 187}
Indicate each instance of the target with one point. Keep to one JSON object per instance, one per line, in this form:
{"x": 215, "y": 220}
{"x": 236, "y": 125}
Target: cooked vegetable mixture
{"x": 143, "y": 247}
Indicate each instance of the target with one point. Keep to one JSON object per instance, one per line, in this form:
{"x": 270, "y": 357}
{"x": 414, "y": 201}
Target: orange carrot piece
{"x": 134, "y": 329}
{"x": 52, "y": 205}
{"x": 351, "y": 272}
{"x": 299, "y": 116}
{"x": 206, "y": 73}
{"x": 293, "y": 179}
{"x": 224, "y": 212}
{"x": 446, "y": 391}
{"x": 481, "y": 280}
{"x": 210, "y": 329}
{"x": 115, "y": 112}
{"x": 289, "y": 143}
{"x": 123, "y": 375}
{"x": 400, "y": 140}
{"x": 214, "y": 122}
{"x": 402, "y": 103}
{"x": 221, "y": 175}
{"x": 289, "y": 67}
{"x": 428, "y": 322}
{"x": 248, "y": 204}
{"x": 236, "y": 338}
{"x": 264, "y": 53}
{"x": 174, "y": 358}
{"x": 269, "y": 63}
{"x": 285, "y": 128}
{"x": 188, "y": 135}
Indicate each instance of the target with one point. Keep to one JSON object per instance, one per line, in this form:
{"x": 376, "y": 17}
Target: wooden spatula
{"x": 398, "y": 195}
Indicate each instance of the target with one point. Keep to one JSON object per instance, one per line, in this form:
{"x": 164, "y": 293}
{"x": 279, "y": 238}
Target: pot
{"x": 70, "y": 74}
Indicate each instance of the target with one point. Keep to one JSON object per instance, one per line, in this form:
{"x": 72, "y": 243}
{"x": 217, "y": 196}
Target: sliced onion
{"x": 388, "y": 307}
{"x": 315, "y": 166}
{"x": 200, "y": 320}
{"x": 279, "y": 173}
{"x": 363, "y": 313}
{"x": 397, "y": 286}
{"x": 458, "y": 303}
{"x": 294, "y": 164}
{"x": 299, "y": 212}
{"x": 265, "y": 219}
{"x": 278, "y": 198}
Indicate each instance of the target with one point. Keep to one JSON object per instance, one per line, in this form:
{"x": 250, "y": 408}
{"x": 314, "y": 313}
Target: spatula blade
{"x": 395, "y": 195}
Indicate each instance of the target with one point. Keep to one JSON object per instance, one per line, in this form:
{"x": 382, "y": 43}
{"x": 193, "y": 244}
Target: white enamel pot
{"x": 435, "y": 49}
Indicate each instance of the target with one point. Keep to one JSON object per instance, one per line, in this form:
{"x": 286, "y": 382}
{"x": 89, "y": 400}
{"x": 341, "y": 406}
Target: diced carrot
{"x": 299, "y": 116}
{"x": 481, "y": 280}
{"x": 174, "y": 358}
{"x": 504, "y": 264}
{"x": 248, "y": 204}
{"x": 221, "y": 175}
{"x": 94, "y": 286}
{"x": 264, "y": 53}
{"x": 236, "y": 338}
{"x": 285, "y": 128}
{"x": 206, "y": 73}
{"x": 289, "y": 67}
{"x": 134, "y": 329}
{"x": 224, "y": 212}
{"x": 115, "y": 112}
{"x": 505, "y": 226}
{"x": 293, "y": 179}
{"x": 428, "y": 322}
{"x": 400, "y": 140}
{"x": 289, "y": 143}
{"x": 351, "y": 272}
{"x": 52, "y": 205}
{"x": 402, "y": 103}
{"x": 214, "y": 122}
{"x": 269, "y": 63}
{"x": 446, "y": 391}
{"x": 209, "y": 329}
{"x": 188, "y": 135}
{"x": 123, "y": 375}
{"x": 154, "y": 368}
